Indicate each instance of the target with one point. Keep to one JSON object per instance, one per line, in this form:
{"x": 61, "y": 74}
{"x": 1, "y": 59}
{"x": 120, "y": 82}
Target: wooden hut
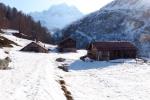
{"x": 111, "y": 50}
{"x": 67, "y": 45}
{"x": 35, "y": 47}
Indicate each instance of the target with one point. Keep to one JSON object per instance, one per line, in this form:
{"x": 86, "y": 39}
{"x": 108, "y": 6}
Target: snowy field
{"x": 119, "y": 81}
{"x": 34, "y": 76}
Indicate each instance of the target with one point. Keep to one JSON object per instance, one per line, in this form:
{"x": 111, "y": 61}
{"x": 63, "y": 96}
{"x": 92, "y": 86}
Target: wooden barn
{"x": 35, "y": 47}
{"x": 67, "y": 45}
{"x": 111, "y": 50}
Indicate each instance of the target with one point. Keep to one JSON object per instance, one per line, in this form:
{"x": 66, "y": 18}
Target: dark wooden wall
{"x": 110, "y": 55}
{"x": 68, "y": 45}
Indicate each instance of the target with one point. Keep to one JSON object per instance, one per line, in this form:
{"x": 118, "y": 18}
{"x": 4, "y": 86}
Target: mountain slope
{"x": 58, "y": 16}
{"x": 4, "y": 42}
{"x": 127, "y": 20}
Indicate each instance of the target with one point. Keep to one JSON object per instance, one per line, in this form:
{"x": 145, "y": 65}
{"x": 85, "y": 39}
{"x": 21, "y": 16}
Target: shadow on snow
{"x": 81, "y": 65}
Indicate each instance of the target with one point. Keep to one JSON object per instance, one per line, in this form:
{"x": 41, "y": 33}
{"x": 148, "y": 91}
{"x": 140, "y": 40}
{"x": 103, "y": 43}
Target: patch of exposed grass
{"x": 65, "y": 90}
{"x": 4, "y": 42}
{"x": 62, "y": 82}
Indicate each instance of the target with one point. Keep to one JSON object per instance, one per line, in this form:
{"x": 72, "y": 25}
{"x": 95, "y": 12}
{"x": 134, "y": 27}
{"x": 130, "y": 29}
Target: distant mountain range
{"x": 121, "y": 20}
{"x": 57, "y": 16}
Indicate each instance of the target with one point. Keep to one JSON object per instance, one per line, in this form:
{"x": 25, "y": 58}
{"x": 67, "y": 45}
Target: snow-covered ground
{"x": 9, "y": 31}
{"x": 34, "y": 76}
{"x": 110, "y": 81}
{"x": 31, "y": 77}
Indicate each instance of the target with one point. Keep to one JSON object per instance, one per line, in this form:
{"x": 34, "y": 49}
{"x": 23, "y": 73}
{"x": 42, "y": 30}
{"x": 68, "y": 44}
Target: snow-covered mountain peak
{"x": 129, "y": 4}
{"x": 58, "y": 16}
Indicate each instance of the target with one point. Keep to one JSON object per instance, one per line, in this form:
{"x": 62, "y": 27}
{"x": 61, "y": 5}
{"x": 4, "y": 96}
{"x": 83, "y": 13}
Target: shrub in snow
{"x": 60, "y": 59}
{"x": 4, "y": 63}
{"x": 64, "y": 67}
{"x": 7, "y": 50}
{"x": 86, "y": 59}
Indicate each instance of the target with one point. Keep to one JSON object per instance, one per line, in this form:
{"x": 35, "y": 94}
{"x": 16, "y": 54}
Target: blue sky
{"x": 85, "y": 6}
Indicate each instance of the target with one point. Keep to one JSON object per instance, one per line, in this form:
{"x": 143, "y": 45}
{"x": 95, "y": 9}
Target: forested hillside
{"x": 11, "y": 18}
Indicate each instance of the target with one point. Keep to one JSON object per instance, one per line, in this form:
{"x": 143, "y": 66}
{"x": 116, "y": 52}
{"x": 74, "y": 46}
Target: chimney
{"x": 34, "y": 36}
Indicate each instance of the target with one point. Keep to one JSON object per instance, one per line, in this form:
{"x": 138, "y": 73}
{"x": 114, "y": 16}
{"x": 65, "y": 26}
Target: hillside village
{"x": 32, "y": 75}
{"x": 102, "y": 56}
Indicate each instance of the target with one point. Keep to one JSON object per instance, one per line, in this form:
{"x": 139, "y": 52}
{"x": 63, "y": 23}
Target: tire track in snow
{"x": 28, "y": 86}
{"x": 29, "y": 79}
